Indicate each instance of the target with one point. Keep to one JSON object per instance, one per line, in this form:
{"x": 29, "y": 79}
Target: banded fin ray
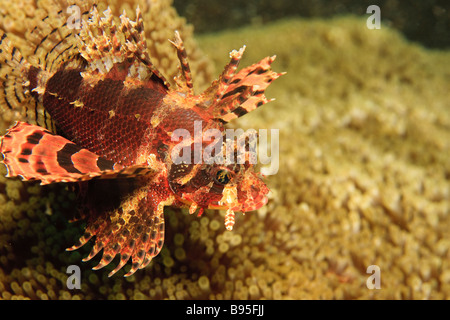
{"x": 133, "y": 230}
{"x": 13, "y": 86}
{"x": 236, "y": 94}
{"x": 49, "y": 44}
{"x": 34, "y": 153}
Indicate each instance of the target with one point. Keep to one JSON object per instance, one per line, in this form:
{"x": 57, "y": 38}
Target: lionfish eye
{"x": 223, "y": 177}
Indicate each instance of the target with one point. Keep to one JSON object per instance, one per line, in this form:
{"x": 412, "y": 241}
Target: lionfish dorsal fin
{"x": 50, "y": 43}
{"x": 235, "y": 94}
{"x": 184, "y": 78}
{"x": 104, "y": 43}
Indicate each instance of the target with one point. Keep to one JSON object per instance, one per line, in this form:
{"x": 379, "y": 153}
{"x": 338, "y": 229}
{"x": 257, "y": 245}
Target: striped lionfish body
{"x": 104, "y": 121}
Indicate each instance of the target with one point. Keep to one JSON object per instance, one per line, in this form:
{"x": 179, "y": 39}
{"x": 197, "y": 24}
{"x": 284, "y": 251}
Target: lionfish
{"x": 104, "y": 120}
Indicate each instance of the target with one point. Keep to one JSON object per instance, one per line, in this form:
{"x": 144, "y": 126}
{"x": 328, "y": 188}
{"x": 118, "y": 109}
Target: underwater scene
{"x": 349, "y": 197}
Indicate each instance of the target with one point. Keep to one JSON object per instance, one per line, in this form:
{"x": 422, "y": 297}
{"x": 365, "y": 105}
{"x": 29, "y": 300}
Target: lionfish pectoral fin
{"x": 34, "y": 153}
{"x": 134, "y": 230}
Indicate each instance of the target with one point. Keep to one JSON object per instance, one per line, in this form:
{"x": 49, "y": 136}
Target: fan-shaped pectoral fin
{"x": 34, "y": 153}
{"x": 134, "y": 229}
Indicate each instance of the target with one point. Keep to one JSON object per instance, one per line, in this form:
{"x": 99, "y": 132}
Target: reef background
{"x": 364, "y": 123}
{"x": 425, "y": 22}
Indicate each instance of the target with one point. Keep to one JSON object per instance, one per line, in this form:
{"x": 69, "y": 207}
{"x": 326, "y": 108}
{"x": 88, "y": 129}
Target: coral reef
{"x": 363, "y": 180}
{"x": 364, "y": 163}
{"x": 426, "y": 22}
{"x": 161, "y": 20}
